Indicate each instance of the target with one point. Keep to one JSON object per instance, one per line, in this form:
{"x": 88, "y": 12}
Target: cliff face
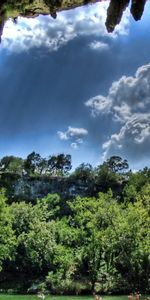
{"x": 32, "y": 188}
{"x": 29, "y": 189}
{"x": 37, "y": 189}
{"x": 32, "y": 8}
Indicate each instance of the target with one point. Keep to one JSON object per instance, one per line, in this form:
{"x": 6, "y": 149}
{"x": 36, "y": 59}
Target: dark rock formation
{"x": 114, "y": 13}
{"x": 137, "y": 9}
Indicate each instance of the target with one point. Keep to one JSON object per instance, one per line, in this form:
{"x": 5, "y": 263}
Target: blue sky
{"x": 69, "y": 86}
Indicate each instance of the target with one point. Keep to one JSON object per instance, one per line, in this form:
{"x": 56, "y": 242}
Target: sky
{"x": 68, "y": 86}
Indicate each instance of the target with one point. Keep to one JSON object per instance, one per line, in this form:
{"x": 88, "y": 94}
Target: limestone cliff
{"x": 33, "y": 8}
{"x": 32, "y": 188}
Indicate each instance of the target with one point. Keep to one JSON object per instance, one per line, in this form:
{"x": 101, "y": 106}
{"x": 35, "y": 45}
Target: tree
{"x": 25, "y": 219}
{"x": 116, "y": 164}
{"x": 7, "y": 235}
{"x": 24, "y": 214}
{"x": 132, "y": 260}
{"x": 105, "y": 178}
{"x": 139, "y": 178}
{"x": 61, "y": 279}
{"x": 11, "y": 164}
{"x": 94, "y": 218}
{"x": 60, "y": 164}
{"x": 39, "y": 244}
{"x": 34, "y": 163}
{"x": 53, "y": 204}
{"x": 84, "y": 172}
{"x": 129, "y": 193}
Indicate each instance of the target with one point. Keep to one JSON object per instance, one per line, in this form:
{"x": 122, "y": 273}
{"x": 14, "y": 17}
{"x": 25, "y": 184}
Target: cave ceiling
{"x": 32, "y": 8}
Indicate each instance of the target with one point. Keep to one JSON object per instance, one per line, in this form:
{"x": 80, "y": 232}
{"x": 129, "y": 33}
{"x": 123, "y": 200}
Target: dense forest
{"x": 83, "y": 245}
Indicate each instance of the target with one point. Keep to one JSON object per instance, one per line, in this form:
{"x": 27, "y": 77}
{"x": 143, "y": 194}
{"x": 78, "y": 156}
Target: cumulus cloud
{"x": 133, "y": 140}
{"x": 99, "y": 104}
{"x": 127, "y": 96}
{"x": 128, "y": 103}
{"x": 72, "y": 132}
{"x": 53, "y": 34}
{"x": 75, "y": 135}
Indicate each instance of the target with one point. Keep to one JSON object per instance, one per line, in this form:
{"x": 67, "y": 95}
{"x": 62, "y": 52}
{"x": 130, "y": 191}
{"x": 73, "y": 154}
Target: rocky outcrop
{"x": 33, "y": 8}
{"x": 137, "y": 9}
{"x": 116, "y": 9}
{"x": 114, "y": 13}
{"x": 32, "y": 188}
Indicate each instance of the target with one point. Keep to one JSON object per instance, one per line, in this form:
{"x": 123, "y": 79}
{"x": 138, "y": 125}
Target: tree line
{"x": 34, "y": 164}
{"x": 57, "y": 165}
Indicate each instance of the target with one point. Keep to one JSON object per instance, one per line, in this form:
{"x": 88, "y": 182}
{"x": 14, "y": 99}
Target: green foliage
{"x": 116, "y": 164}
{"x": 23, "y": 215}
{"x": 84, "y": 172}
{"x": 34, "y": 163}
{"x": 7, "y": 237}
{"x": 59, "y": 164}
{"x": 87, "y": 244}
{"x": 11, "y": 164}
{"x": 39, "y": 244}
{"x": 105, "y": 178}
{"x": 53, "y": 204}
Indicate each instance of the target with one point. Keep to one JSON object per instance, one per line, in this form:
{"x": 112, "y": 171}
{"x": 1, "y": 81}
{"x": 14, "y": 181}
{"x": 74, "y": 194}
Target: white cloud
{"x": 72, "y": 132}
{"x": 133, "y": 140}
{"x": 75, "y": 135}
{"x": 99, "y": 104}
{"x": 52, "y": 34}
{"x": 127, "y": 96}
{"x": 97, "y": 45}
{"x": 128, "y": 102}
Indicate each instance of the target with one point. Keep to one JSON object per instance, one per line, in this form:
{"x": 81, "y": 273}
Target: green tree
{"x": 84, "y": 172}
{"x": 129, "y": 193}
{"x": 63, "y": 276}
{"x": 53, "y": 204}
{"x": 39, "y": 244}
{"x": 139, "y": 179}
{"x": 105, "y": 178}
{"x": 116, "y": 164}
{"x": 91, "y": 215}
{"x": 35, "y": 164}
{"x": 7, "y": 235}
{"x": 24, "y": 214}
{"x": 59, "y": 164}
{"x": 11, "y": 164}
{"x": 26, "y": 217}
